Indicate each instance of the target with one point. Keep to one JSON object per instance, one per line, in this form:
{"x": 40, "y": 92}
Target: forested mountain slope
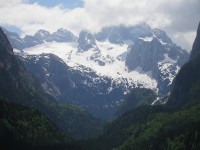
{"x": 174, "y": 126}
{"x": 17, "y": 85}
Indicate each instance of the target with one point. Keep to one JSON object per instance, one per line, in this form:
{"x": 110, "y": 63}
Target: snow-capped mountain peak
{"x": 131, "y": 55}
{"x": 86, "y": 41}
{"x": 41, "y": 34}
{"x": 162, "y": 36}
{"x": 63, "y": 35}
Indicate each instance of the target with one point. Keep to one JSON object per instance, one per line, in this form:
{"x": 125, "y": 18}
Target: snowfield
{"x": 108, "y": 61}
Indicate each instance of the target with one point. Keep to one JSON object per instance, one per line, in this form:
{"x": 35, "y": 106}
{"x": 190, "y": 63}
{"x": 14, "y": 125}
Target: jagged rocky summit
{"x": 115, "y": 60}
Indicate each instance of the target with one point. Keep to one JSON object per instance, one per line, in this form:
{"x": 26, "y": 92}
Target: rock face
{"x": 122, "y": 34}
{"x": 83, "y": 87}
{"x": 144, "y": 54}
{"x": 15, "y": 82}
{"x": 161, "y": 35}
{"x": 52, "y": 73}
{"x": 6, "y": 54}
{"x": 196, "y": 46}
{"x": 14, "y": 39}
{"x": 86, "y": 41}
{"x": 63, "y": 35}
{"x": 41, "y": 36}
{"x": 147, "y": 52}
{"x": 4, "y": 43}
{"x": 159, "y": 55}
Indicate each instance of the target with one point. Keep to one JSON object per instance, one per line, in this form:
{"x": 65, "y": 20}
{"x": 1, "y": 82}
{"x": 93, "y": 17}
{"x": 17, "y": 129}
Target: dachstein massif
{"x": 96, "y": 71}
{"x": 122, "y": 88}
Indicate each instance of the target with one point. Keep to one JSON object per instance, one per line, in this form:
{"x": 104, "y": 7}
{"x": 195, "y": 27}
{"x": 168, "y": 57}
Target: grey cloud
{"x": 178, "y": 17}
{"x": 185, "y": 16}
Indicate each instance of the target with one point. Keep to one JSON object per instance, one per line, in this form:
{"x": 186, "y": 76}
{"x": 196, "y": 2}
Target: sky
{"x": 70, "y": 4}
{"x": 178, "y": 18}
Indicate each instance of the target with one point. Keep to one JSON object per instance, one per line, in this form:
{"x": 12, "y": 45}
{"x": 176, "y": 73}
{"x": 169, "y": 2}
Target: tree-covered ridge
{"x": 76, "y": 122}
{"x": 166, "y": 131}
{"x": 20, "y": 86}
{"x": 137, "y": 97}
{"x": 174, "y": 126}
{"x": 116, "y": 132}
{"x": 152, "y": 127}
{"x": 20, "y": 123}
{"x": 186, "y": 85}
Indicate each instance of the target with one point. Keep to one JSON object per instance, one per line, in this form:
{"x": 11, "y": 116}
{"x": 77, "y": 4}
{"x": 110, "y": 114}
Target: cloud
{"x": 179, "y": 18}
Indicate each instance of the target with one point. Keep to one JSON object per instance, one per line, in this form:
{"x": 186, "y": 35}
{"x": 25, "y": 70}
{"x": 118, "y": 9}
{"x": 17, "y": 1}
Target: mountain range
{"x": 97, "y": 70}
{"x": 19, "y": 86}
{"x": 172, "y": 126}
{"x": 33, "y": 116}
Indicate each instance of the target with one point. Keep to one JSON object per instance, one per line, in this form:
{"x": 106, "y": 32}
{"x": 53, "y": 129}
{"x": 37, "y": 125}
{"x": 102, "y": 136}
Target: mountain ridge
{"x": 101, "y": 56}
{"x": 18, "y": 85}
{"x": 110, "y": 55}
{"x": 174, "y": 125}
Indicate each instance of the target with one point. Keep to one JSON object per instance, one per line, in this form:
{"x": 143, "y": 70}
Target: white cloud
{"x": 186, "y": 39}
{"x": 178, "y": 17}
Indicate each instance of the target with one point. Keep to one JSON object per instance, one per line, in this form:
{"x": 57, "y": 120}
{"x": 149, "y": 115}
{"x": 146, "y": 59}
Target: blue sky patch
{"x": 66, "y": 3}
{"x": 12, "y": 29}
